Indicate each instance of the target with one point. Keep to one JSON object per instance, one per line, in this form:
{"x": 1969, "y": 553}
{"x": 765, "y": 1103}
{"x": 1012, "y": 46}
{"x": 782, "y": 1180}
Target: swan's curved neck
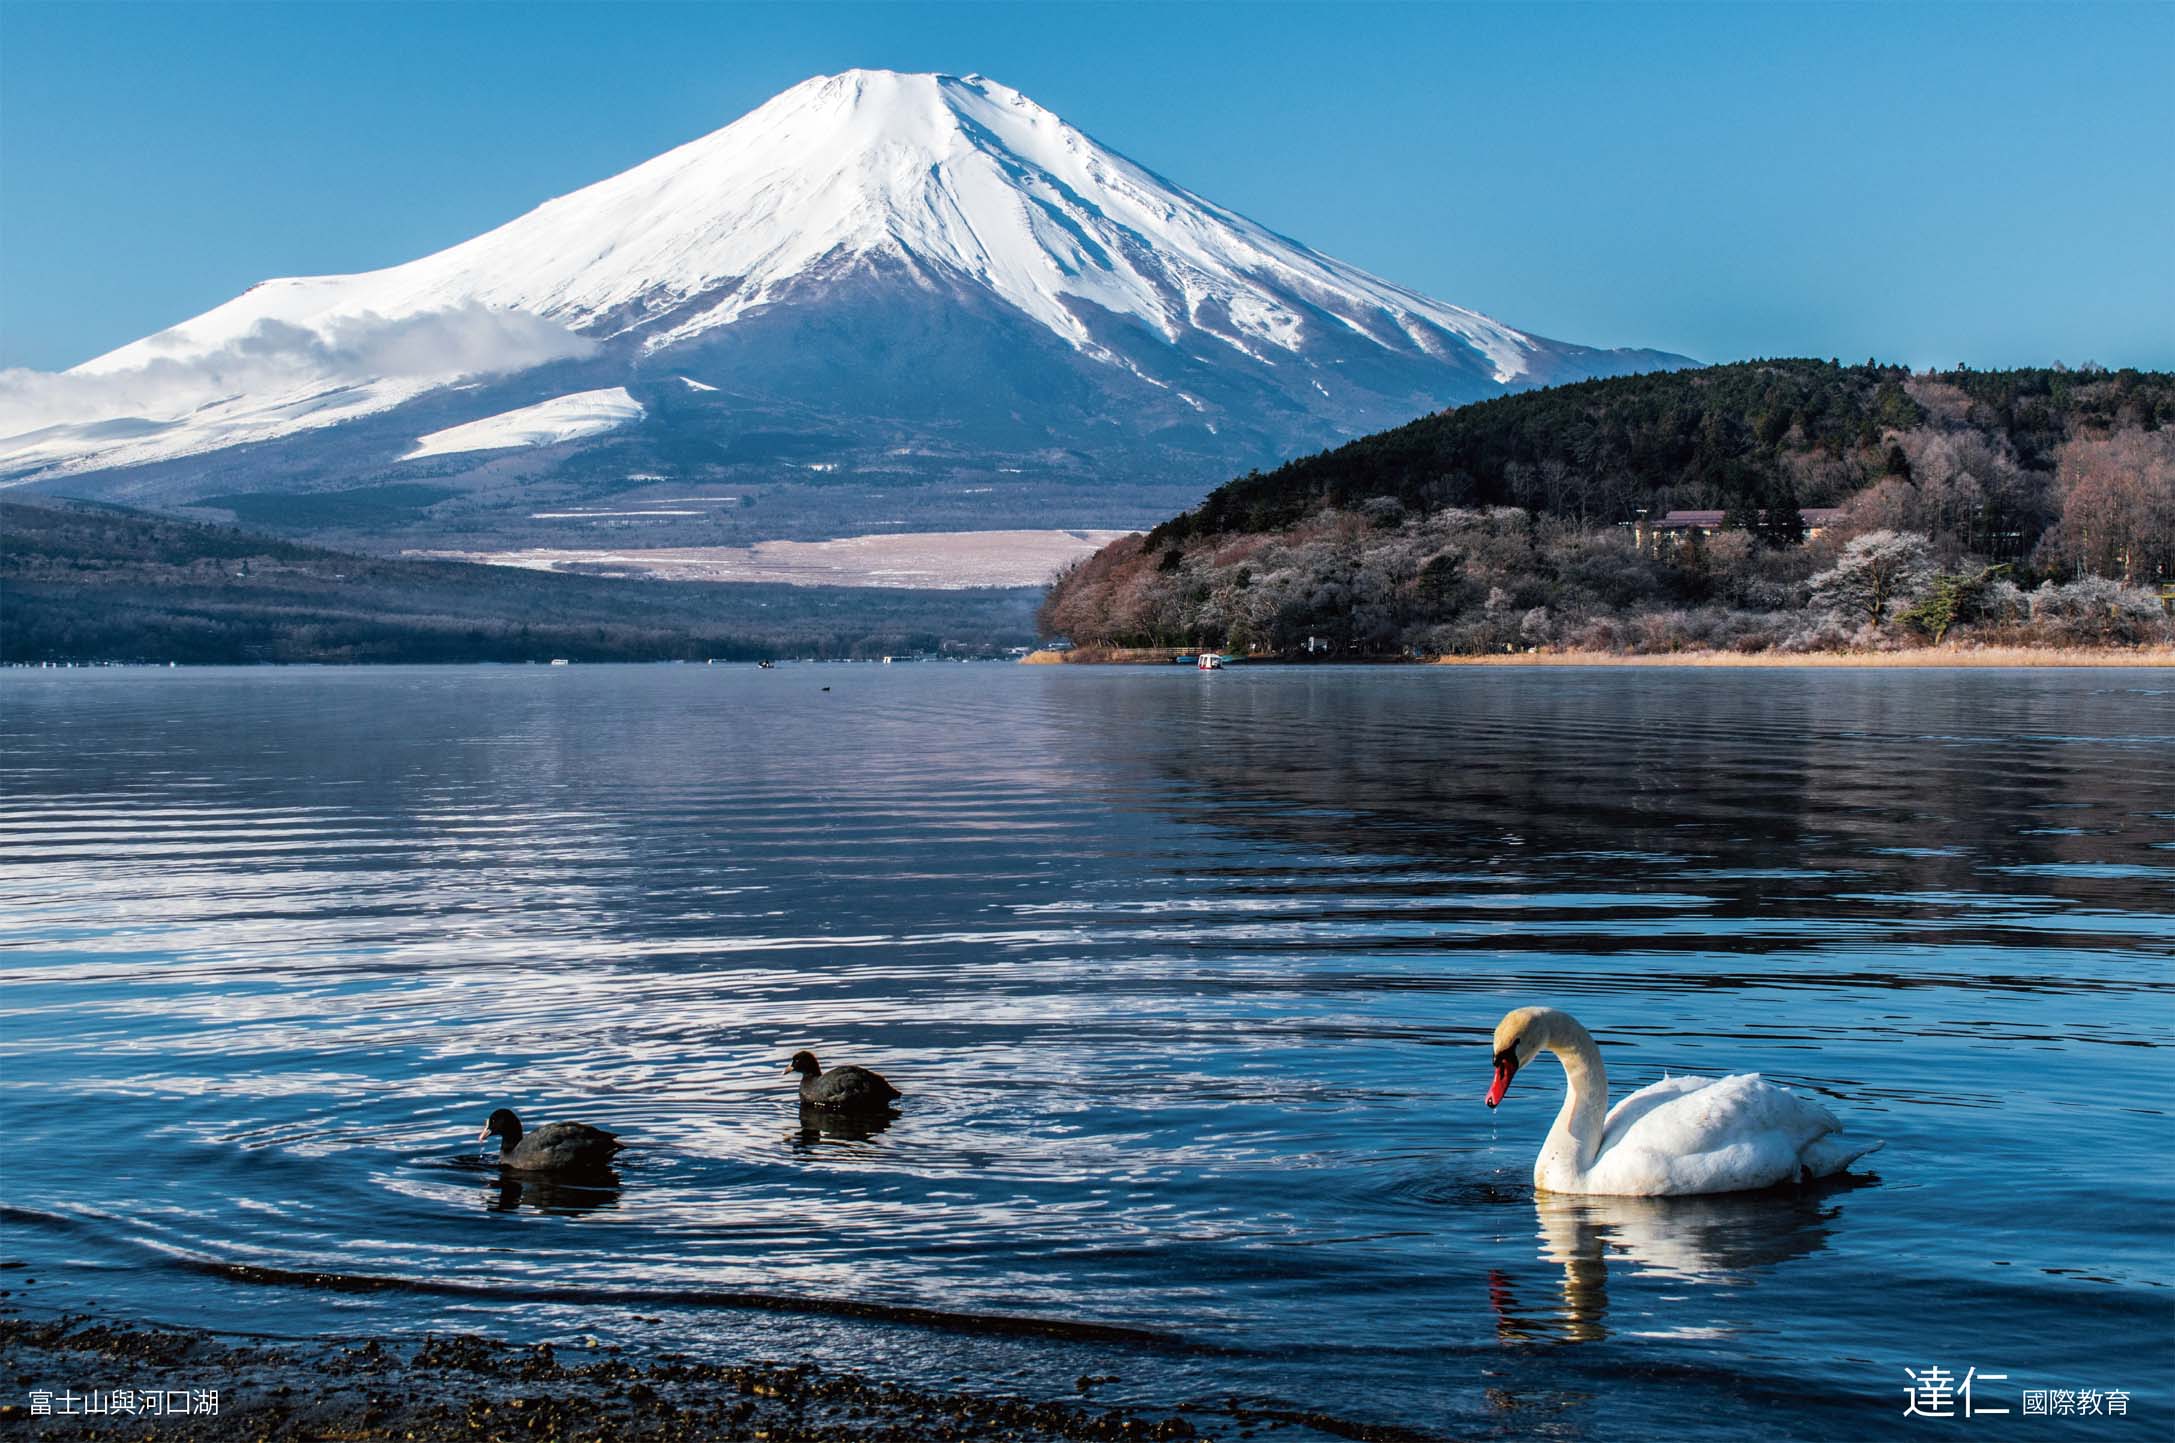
{"x": 1575, "y": 1140}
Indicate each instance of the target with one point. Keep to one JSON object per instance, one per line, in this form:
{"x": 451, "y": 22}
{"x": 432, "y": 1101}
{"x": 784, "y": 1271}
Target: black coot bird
{"x": 842, "y": 1089}
{"x": 564, "y": 1149}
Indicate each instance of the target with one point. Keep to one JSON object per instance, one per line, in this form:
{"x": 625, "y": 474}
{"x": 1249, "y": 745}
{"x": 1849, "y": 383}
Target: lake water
{"x": 1189, "y": 979}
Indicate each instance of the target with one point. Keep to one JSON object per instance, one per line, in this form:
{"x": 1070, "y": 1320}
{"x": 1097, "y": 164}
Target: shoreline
{"x": 1929, "y": 657}
{"x": 447, "y": 1386}
{"x": 1926, "y": 657}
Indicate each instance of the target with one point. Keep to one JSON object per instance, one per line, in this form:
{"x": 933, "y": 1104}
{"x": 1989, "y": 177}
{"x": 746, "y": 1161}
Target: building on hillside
{"x": 1675, "y": 526}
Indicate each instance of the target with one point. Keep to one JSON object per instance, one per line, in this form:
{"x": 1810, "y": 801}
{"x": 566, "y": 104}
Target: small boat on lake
{"x": 1209, "y": 661}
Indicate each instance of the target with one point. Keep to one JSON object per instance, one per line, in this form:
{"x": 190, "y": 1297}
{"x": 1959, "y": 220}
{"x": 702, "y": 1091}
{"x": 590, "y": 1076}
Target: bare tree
{"x": 2118, "y": 506}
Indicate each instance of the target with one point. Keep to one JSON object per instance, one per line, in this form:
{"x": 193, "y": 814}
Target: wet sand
{"x": 480, "y": 1390}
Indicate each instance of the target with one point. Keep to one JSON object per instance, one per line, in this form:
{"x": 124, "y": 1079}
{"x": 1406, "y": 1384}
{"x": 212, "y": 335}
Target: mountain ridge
{"x": 92, "y": 582}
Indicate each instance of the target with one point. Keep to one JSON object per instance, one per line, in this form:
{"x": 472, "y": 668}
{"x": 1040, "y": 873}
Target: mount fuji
{"x": 878, "y": 298}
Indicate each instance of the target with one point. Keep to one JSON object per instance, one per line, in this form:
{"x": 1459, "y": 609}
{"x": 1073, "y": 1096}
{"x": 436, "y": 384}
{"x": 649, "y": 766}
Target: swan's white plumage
{"x": 1681, "y": 1135}
{"x": 1702, "y": 1135}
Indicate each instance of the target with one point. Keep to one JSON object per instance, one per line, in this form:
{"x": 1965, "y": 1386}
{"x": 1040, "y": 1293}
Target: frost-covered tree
{"x": 1876, "y": 572}
{"x": 2096, "y": 610}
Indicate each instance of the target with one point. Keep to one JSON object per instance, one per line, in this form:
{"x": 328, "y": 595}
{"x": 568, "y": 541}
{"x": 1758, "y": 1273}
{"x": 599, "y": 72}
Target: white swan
{"x": 1681, "y": 1135}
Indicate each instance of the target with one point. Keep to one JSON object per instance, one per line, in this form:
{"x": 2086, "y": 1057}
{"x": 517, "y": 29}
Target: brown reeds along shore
{"x": 1928, "y": 656}
{"x": 1925, "y": 656}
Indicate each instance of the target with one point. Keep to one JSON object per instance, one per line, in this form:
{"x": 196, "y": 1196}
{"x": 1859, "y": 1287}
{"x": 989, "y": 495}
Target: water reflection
{"x": 512, "y": 1192}
{"x": 1724, "y": 1241}
{"x": 819, "y": 1126}
{"x": 1755, "y": 802}
{"x": 504, "y": 1191}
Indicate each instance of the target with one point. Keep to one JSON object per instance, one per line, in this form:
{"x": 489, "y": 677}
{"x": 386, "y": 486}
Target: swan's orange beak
{"x": 1506, "y": 1067}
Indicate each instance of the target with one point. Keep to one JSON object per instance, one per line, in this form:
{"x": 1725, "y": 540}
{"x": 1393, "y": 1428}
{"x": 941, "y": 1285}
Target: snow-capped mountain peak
{"x": 955, "y": 173}
{"x": 865, "y": 182}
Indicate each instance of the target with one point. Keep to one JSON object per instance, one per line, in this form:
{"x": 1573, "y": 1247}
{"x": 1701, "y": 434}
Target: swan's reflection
{"x": 1717, "y": 1241}
{"x": 512, "y": 1192}
{"x": 820, "y": 1126}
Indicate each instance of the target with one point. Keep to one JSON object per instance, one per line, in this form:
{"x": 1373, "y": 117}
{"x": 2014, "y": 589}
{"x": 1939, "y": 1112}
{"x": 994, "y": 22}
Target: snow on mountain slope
{"x": 960, "y": 173}
{"x": 955, "y": 186}
{"x": 563, "y": 418}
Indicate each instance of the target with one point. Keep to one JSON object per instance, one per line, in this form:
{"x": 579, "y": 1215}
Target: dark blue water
{"x": 1189, "y": 979}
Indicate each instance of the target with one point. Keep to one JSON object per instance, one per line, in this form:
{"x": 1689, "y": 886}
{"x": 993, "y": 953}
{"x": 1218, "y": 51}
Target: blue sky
{"x": 1927, "y": 183}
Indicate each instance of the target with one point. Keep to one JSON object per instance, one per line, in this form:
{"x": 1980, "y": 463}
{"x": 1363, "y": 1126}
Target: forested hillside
{"x": 1516, "y": 522}
{"x": 95, "y": 583}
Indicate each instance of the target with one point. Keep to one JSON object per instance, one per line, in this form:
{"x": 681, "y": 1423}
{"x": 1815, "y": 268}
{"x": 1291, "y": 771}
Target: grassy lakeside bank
{"x": 1921, "y": 657}
{"x": 1925, "y": 656}
{"x": 1108, "y": 656}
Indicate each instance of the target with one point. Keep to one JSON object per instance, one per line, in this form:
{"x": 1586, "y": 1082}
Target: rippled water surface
{"x": 1189, "y": 980}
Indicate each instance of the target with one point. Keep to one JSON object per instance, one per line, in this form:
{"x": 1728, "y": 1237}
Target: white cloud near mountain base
{"x": 279, "y": 356}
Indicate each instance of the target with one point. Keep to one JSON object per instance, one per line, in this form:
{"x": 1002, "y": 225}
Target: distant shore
{"x": 1925, "y": 656}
